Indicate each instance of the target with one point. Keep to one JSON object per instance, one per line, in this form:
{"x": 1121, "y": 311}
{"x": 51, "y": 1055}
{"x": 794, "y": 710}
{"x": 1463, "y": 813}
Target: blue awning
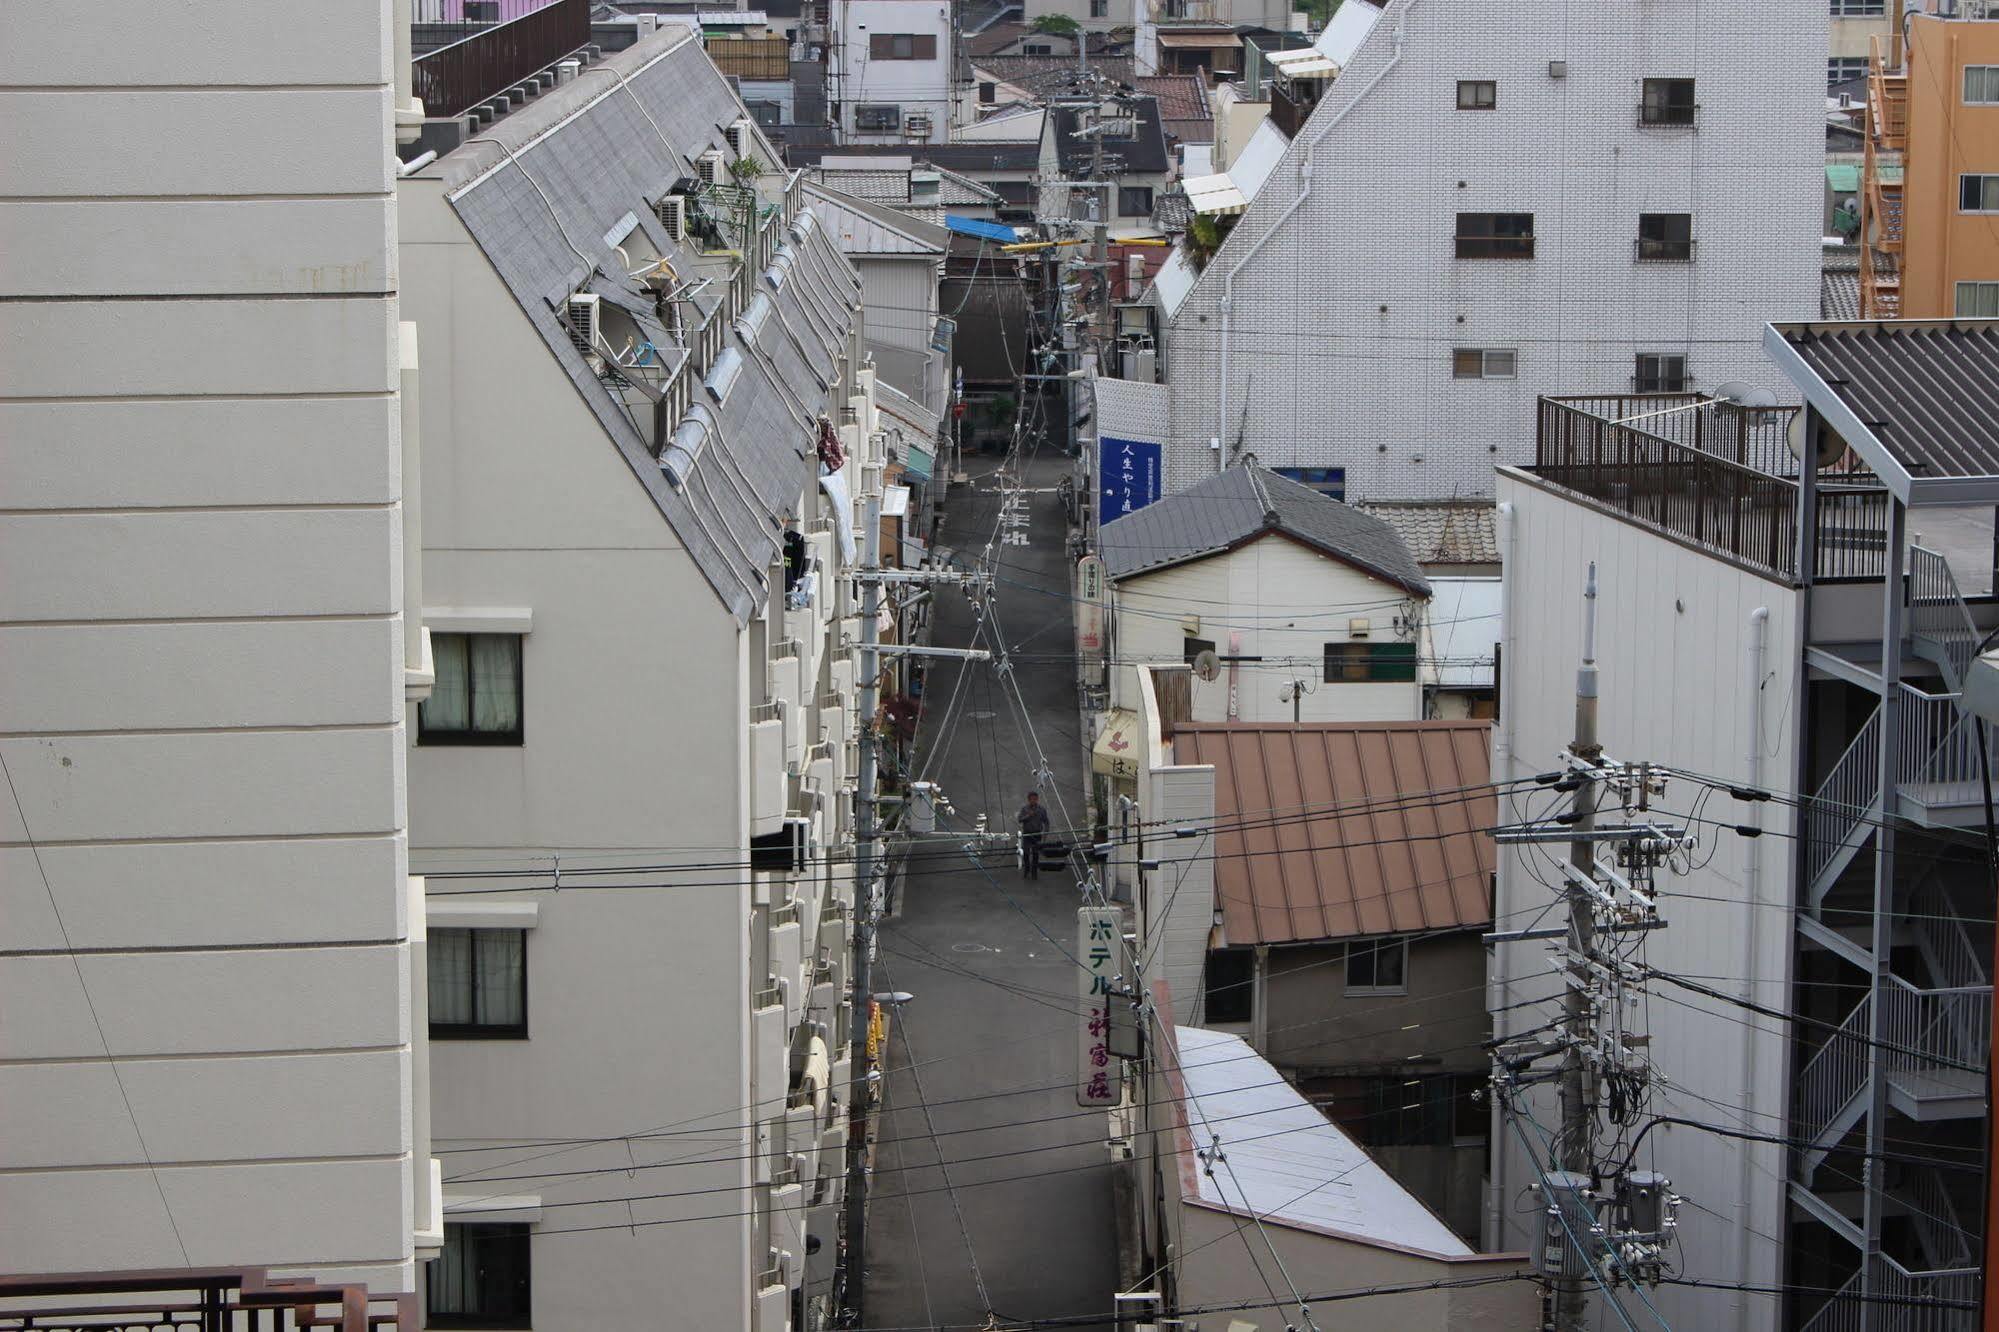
{"x": 972, "y": 226}
{"x": 917, "y": 462}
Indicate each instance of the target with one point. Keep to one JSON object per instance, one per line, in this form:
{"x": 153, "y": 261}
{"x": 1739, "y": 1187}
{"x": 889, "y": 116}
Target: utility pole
{"x": 864, "y": 913}
{"x": 1577, "y": 1101}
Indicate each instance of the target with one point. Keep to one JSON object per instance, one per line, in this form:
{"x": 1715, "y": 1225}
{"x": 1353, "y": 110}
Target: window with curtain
{"x": 478, "y": 984}
{"x": 1370, "y": 663}
{"x": 1378, "y": 966}
{"x": 477, "y": 697}
{"x": 480, "y": 1279}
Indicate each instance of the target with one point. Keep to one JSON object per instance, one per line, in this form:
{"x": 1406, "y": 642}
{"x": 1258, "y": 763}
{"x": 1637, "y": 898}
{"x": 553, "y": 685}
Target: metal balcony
{"x": 208, "y": 1299}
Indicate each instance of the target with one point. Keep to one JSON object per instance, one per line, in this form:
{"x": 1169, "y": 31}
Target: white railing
{"x": 1925, "y": 1029}
{"x": 1937, "y": 612}
{"x": 1847, "y": 796}
{"x": 1841, "y": 1313}
{"x": 1835, "y": 1073}
{"x": 1934, "y": 1216}
{"x": 1943, "y": 939}
{"x": 1938, "y": 1300}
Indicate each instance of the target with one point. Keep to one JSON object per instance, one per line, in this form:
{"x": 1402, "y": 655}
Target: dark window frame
{"x": 517, "y": 1238}
{"x": 861, "y": 118}
{"x": 1649, "y": 372}
{"x": 1978, "y": 191}
{"x": 1485, "y": 357}
{"x": 1494, "y": 236}
{"x": 1370, "y": 955}
{"x": 1192, "y": 647}
{"x": 1665, "y": 238}
{"x": 1478, "y": 94}
{"x": 1237, "y": 990}
{"x": 902, "y": 46}
{"x": 427, "y": 734}
{"x": 1326, "y": 480}
{"x": 480, "y": 1031}
{"x": 1363, "y": 661}
{"x": 1128, "y": 195}
{"x": 1668, "y": 102}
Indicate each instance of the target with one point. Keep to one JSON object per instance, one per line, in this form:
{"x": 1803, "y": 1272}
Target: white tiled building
{"x": 205, "y": 917}
{"x": 889, "y": 70}
{"x": 1618, "y": 202}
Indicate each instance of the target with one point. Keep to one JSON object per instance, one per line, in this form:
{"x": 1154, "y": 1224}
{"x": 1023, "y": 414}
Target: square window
{"x": 1978, "y": 193}
{"x": 1667, "y": 102}
{"x": 477, "y": 697}
{"x": 1495, "y": 236}
{"x": 1665, "y": 237}
{"x": 478, "y": 984}
{"x": 480, "y": 1279}
{"x": 1660, "y": 372}
{"x": 1134, "y": 201}
{"x": 878, "y": 119}
{"x": 1100, "y": 8}
{"x": 1191, "y": 648}
{"x": 1483, "y": 363}
{"x": 1378, "y": 966}
{"x": 1477, "y": 94}
{"x": 1981, "y": 85}
{"x": 1370, "y": 663}
{"x": 988, "y": 92}
{"x": 1978, "y": 300}
{"x": 1229, "y": 986}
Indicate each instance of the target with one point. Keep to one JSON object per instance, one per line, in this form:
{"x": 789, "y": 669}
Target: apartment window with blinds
{"x": 1477, "y": 94}
{"x": 477, "y": 697}
{"x": 1978, "y": 194}
{"x": 1370, "y": 663}
{"x": 1660, "y": 372}
{"x": 1378, "y": 966}
{"x": 902, "y": 46}
{"x": 1482, "y": 363}
{"x": 878, "y": 119}
{"x": 1978, "y": 300}
{"x": 1981, "y": 85}
{"x": 1495, "y": 236}
{"x": 480, "y": 1279}
{"x": 478, "y": 984}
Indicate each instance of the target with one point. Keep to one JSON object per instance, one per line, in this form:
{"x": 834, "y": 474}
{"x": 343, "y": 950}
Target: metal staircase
{"x": 1845, "y": 810}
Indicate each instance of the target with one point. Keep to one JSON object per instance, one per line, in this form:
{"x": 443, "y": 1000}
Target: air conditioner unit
{"x": 582, "y": 311}
{"x": 916, "y": 127}
{"x": 672, "y": 214}
{"x": 711, "y": 167}
{"x": 741, "y": 134}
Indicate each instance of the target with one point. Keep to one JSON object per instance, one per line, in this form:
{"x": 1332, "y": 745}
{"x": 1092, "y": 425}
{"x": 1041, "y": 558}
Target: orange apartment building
{"x": 1930, "y": 172}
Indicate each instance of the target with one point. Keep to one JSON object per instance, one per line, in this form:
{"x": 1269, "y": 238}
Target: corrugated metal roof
{"x": 1294, "y": 1166}
{"x": 1247, "y": 502}
{"x": 864, "y": 228}
{"x": 1917, "y": 399}
{"x": 1375, "y": 852}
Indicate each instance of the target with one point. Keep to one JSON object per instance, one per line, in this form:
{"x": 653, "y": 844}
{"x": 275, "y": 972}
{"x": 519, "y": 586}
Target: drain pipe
{"x": 1752, "y": 894}
{"x": 1319, "y": 131}
{"x": 1496, "y": 984}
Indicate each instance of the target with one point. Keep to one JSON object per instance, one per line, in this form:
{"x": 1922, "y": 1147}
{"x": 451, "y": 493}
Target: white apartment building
{"x": 890, "y": 71}
{"x": 1489, "y": 203}
{"x": 644, "y": 712}
{"x": 205, "y": 914}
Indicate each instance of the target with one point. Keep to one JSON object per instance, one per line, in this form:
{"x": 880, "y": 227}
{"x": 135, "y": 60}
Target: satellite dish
{"x": 1206, "y": 664}
{"x": 1739, "y": 394}
{"x": 1826, "y": 449}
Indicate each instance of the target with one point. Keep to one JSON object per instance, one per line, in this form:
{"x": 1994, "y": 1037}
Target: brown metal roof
{"x": 1328, "y": 834}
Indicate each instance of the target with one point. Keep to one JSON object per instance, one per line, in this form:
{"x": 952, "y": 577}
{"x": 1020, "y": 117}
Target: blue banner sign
{"x": 1127, "y": 476}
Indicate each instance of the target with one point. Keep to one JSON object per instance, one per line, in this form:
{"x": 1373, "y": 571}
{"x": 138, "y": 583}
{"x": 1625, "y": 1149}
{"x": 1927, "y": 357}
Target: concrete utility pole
{"x": 864, "y": 913}
{"x": 1577, "y": 1116}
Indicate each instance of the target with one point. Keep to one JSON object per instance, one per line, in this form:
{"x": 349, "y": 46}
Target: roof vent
{"x": 683, "y": 450}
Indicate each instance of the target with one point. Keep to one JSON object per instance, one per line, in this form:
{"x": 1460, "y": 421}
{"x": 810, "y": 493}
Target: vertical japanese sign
{"x": 1127, "y": 476}
{"x": 1090, "y": 604}
{"x": 1097, "y": 931}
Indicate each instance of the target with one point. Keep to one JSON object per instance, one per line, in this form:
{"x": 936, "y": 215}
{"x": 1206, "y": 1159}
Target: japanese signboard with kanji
{"x": 1097, "y": 949}
{"x": 1090, "y": 608}
{"x": 1127, "y": 476}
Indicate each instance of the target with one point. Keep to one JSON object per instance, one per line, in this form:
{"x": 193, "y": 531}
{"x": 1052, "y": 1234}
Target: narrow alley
{"x": 991, "y": 1188}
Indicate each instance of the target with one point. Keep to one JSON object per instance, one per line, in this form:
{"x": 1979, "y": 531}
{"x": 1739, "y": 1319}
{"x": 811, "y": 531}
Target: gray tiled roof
{"x": 559, "y": 176}
{"x": 1144, "y": 151}
{"x": 1241, "y": 504}
{"x": 890, "y": 184}
{"x": 866, "y": 228}
{"x": 1443, "y": 531}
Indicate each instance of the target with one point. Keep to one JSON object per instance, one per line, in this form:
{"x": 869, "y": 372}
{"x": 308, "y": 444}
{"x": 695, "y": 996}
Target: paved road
{"x": 1045, "y": 1245}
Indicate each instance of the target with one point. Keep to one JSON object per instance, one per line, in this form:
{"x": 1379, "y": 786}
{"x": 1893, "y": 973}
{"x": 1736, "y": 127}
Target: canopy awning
{"x": 1214, "y": 195}
{"x": 1843, "y": 177}
{"x": 1306, "y": 61}
{"x": 1199, "y": 41}
{"x": 917, "y": 461}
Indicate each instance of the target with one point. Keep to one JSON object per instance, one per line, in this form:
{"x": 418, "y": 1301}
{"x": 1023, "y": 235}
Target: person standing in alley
{"x": 1033, "y": 820}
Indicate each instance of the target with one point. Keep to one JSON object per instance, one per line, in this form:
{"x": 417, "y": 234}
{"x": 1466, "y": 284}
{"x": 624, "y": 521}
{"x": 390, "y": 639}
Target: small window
{"x": 1667, "y": 102}
{"x": 902, "y": 46}
{"x": 1859, "y": 8}
{"x": 768, "y": 115}
{"x": 1037, "y": 48}
{"x": 480, "y": 1278}
{"x": 1378, "y": 966}
{"x": 1978, "y": 194}
{"x": 1844, "y": 69}
{"x": 878, "y": 119}
{"x": 1665, "y": 237}
{"x": 478, "y": 984}
{"x": 1370, "y": 663}
{"x": 1229, "y": 986}
{"x": 1134, "y": 201}
{"x": 477, "y": 697}
{"x": 1495, "y": 236}
{"x": 1482, "y": 363}
{"x": 1100, "y": 8}
{"x": 1191, "y": 648}
{"x": 1326, "y": 480}
{"x": 1978, "y": 300}
{"x": 988, "y": 93}
{"x": 1477, "y": 94}
{"x": 1981, "y": 85}
{"x": 1660, "y": 372}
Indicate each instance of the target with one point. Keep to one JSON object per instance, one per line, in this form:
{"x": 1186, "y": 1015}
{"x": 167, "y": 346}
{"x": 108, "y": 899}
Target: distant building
{"x": 891, "y": 71}
{"x": 1133, "y": 154}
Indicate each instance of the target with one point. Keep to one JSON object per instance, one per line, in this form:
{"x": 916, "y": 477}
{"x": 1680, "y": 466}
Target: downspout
{"x": 1752, "y": 894}
{"x": 1319, "y": 132}
{"x": 1494, "y": 1233}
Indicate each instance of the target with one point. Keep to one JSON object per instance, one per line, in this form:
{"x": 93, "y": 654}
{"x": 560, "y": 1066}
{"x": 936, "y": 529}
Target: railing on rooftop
{"x": 453, "y": 79}
{"x": 208, "y": 1299}
{"x": 1711, "y": 472}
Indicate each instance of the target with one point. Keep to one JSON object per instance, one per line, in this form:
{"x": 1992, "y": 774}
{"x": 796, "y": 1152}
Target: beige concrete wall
{"x": 1310, "y": 1020}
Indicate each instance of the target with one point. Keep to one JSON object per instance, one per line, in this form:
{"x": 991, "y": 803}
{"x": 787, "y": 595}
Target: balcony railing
{"x": 208, "y": 1299}
{"x": 453, "y": 79}
{"x": 1650, "y": 250}
{"x": 1712, "y": 473}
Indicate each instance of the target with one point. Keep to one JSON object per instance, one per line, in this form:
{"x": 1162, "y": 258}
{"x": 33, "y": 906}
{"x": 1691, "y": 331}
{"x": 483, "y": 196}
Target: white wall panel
{"x": 215, "y": 42}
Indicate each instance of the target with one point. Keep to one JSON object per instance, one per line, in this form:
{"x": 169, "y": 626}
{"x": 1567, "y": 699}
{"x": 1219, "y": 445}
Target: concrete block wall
{"x": 203, "y": 923}
{"x": 1347, "y": 308}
